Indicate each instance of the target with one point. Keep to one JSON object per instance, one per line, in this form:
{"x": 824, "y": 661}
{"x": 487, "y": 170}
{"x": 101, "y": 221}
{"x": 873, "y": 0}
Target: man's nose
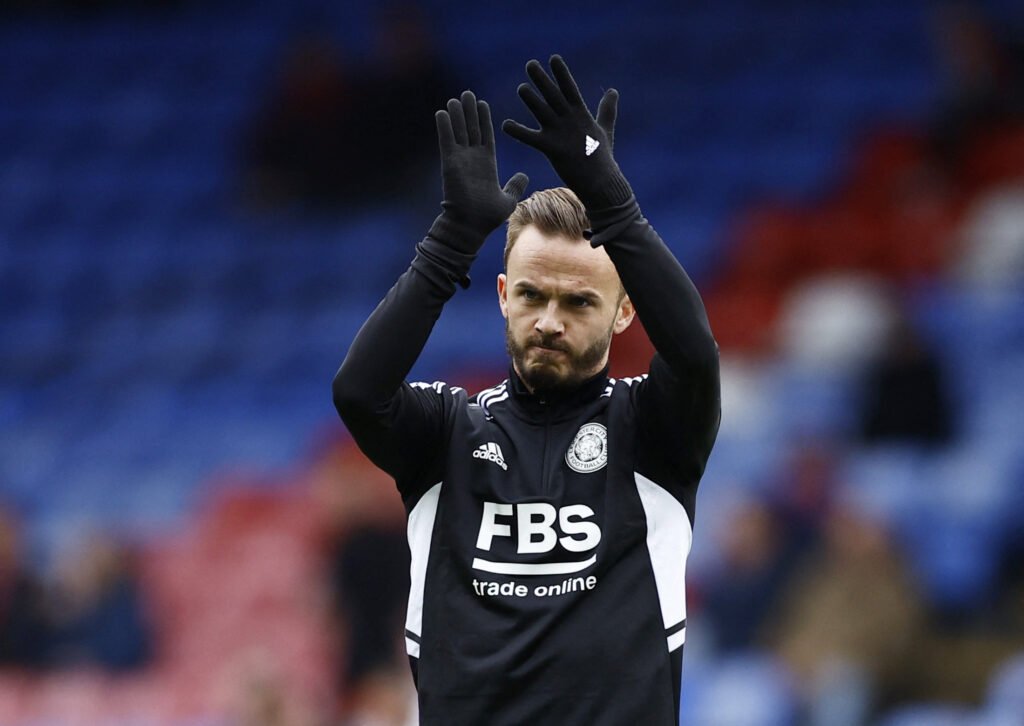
{"x": 549, "y": 322}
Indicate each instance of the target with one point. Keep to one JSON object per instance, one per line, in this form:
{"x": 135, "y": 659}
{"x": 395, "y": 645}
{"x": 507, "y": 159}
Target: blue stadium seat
{"x": 124, "y": 223}
{"x": 1004, "y": 701}
{"x": 738, "y": 691}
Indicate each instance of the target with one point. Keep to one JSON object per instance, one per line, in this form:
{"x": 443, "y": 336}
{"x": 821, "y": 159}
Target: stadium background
{"x": 187, "y": 535}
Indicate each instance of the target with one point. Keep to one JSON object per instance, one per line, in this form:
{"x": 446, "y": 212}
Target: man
{"x": 549, "y": 516}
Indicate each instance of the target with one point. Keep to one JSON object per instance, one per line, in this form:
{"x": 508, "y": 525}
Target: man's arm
{"x": 682, "y": 396}
{"x": 397, "y": 426}
{"x": 681, "y": 399}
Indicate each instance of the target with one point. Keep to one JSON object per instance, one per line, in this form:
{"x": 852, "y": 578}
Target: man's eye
{"x": 530, "y": 295}
{"x": 579, "y": 302}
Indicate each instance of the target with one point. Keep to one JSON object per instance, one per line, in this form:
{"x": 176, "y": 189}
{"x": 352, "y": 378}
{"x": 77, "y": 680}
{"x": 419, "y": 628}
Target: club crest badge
{"x": 588, "y": 451}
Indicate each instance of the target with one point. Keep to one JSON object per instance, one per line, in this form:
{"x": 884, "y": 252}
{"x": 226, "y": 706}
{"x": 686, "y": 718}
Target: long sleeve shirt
{"x": 549, "y": 535}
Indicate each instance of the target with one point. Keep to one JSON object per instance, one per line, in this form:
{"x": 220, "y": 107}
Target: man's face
{"x": 562, "y": 303}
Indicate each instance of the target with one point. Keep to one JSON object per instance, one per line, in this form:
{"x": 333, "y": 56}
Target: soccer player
{"x": 549, "y": 517}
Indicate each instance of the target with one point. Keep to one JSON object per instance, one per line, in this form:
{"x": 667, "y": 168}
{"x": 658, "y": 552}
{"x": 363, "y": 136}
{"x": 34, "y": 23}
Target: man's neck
{"x": 560, "y": 391}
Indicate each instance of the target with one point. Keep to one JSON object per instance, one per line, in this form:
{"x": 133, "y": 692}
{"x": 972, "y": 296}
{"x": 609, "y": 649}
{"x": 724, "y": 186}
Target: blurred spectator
{"x": 23, "y": 634}
{"x": 850, "y": 623}
{"x": 768, "y": 540}
{"x": 985, "y": 79}
{"x": 258, "y": 693}
{"x": 368, "y": 561}
{"x": 385, "y": 698}
{"x": 407, "y": 84}
{"x": 339, "y": 135}
{"x": 804, "y": 495}
{"x": 1011, "y": 570}
{"x": 98, "y": 614}
{"x": 992, "y": 239}
{"x": 969, "y": 661}
{"x": 835, "y": 322}
{"x": 302, "y": 142}
{"x": 906, "y": 399}
{"x": 371, "y": 583}
{"x": 757, "y": 563}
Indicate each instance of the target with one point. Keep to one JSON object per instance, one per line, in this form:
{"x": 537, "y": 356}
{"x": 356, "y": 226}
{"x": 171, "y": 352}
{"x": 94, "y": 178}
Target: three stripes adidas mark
{"x": 491, "y": 452}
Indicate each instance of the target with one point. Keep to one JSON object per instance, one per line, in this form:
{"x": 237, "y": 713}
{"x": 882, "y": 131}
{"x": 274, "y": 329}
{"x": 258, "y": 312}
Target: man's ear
{"x": 503, "y": 295}
{"x": 624, "y": 315}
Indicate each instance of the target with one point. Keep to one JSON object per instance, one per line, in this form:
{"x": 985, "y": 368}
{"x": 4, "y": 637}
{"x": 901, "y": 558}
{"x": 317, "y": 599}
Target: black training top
{"x": 549, "y": 536}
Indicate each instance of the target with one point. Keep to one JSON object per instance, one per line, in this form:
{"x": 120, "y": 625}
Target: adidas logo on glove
{"x": 491, "y": 452}
{"x": 592, "y": 144}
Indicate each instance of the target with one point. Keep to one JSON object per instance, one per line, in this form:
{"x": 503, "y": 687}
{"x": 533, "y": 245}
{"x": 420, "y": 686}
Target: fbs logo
{"x": 539, "y": 529}
{"x": 491, "y": 452}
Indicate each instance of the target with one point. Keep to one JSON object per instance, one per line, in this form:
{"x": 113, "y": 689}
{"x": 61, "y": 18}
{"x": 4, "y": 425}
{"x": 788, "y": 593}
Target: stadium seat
{"x": 739, "y": 691}
{"x": 1005, "y": 699}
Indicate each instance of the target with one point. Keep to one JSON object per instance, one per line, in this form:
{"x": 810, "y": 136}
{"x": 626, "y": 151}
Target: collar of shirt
{"x": 555, "y": 402}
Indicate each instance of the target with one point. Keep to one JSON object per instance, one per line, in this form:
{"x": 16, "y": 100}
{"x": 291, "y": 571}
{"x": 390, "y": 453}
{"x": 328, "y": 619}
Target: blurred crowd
{"x": 89, "y": 613}
{"x": 806, "y": 571}
{"x": 340, "y": 134}
{"x": 813, "y": 573}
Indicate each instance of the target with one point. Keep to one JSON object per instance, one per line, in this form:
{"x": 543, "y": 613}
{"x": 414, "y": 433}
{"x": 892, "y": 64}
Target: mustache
{"x": 539, "y": 341}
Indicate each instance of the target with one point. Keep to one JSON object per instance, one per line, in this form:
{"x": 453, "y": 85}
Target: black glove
{"x": 474, "y": 205}
{"x": 578, "y": 146}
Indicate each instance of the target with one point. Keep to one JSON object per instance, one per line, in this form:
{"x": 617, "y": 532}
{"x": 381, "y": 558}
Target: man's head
{"x": 562, "y": 299}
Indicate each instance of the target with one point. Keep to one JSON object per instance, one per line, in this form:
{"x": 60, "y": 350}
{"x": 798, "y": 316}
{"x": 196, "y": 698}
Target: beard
{"x": 548, "y": 376}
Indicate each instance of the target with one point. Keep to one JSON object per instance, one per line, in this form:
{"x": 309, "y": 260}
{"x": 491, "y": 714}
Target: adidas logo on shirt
{"x": 491, "y": 452}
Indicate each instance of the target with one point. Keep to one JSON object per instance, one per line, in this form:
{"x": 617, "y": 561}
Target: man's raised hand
{"x": 474, "y": 204}
{"x": 578, "y": 145}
